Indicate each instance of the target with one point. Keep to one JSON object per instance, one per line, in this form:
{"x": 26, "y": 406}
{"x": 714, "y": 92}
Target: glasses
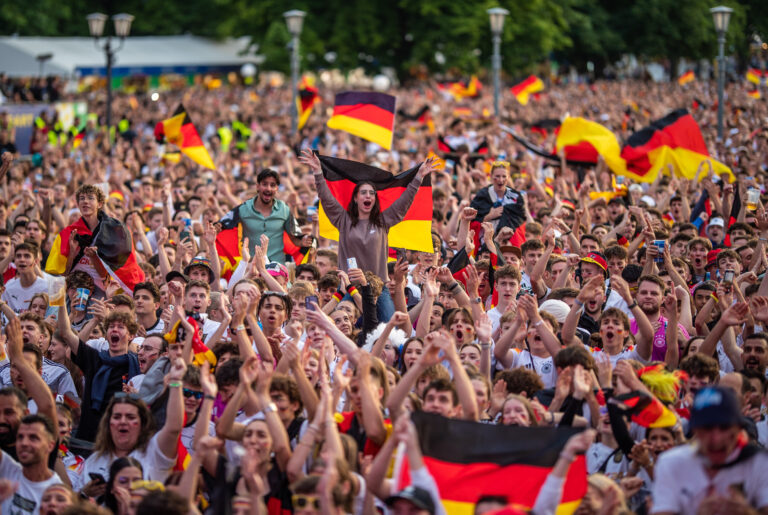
{"x": 147, "y": 348}
{"x": 502, "y": 164}
{"x": 304, "y": 501}
{"x": 192, "y": 393}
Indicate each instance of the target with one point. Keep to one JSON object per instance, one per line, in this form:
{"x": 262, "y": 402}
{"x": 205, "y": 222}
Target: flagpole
{"x": 720, "y": 15}
{"x": 496, "y": 15}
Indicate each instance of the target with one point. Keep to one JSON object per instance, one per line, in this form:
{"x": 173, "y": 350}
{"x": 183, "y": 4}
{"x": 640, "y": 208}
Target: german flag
{"x": 368, "y": 115}
{"x": 229, "y": 242}
{"x": 525, "y": 89}
{"x": 673, "y": 140}
{"x": 114, "y": 246}
{"x": 580, "y": 134}
{"x": 646, "y": 410}
{"x": 200, "y": 351}
{"x": 308, "y": 97}
{"x": 754, "y": 93}
{"x": 756, "y": 76}
{"x": 687, "y": 77}
{"x": 180, "y": 131}
{"x": 460, "y": 90}
{"x": 413, "y": 233}
{"x": 469, "y": 460}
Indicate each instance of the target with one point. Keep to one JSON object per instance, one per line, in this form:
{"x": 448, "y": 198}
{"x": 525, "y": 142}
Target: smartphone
{"x": 97, "y": 477}
{"x": 309, "y": 300}
{"x": 728, "y": 277}
{"x": 497, "y": 203}
{"x": 351, "y": 263}
{"x": 311, "y": 210}
{"x": 659, "y": 245}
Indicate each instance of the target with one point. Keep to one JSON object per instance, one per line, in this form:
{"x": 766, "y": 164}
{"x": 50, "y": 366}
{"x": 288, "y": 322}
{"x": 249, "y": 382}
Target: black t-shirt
{"x": 89, "y": 362}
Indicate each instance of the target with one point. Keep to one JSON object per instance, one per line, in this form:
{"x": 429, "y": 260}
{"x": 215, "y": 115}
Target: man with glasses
{"x": 153, "y": 347}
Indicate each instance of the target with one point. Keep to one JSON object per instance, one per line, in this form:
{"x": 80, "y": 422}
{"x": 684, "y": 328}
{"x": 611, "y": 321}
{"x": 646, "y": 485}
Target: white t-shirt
{"x": 26, "y": 499}
{"x": 156, "y": 465}
{"x": 188, "y": 435}
{"x": 544, "y": 367}
{"x": 55, "y": 375}
{"x": 18, "y": 297}
{"x": 627, "y": 353}
{"x": 599, "y": 454}
{"x": 681, "y": 482}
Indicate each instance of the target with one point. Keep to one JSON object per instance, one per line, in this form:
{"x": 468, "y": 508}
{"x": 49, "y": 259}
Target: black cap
{"x": 415, "y": 495}
{"x": 173, "y": 274}
{"x": 715, "y": 406}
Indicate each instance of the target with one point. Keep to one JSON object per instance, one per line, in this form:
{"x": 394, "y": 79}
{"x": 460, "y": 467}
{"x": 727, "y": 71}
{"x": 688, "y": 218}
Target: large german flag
{"x": 369, "y": 115}
{"x": 528, "y": 87}
{"x": 229, "y": 242}
{"x": 674, "y": 140}
{"x": 306, "y": 100}
{"x": 180, "y": 131}
{"x": 576, "y": 132}
{"x": 413, "y": 233}
{"x": 469, "y": 460}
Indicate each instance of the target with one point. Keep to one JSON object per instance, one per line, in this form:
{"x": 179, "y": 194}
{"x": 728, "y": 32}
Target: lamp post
{"x": 295, "y": 21}
{"x": 496, "y": 15}
{"x": 757, "y": 46}
{"x": 96, "y": 23}
{"x": 721, "y": 16}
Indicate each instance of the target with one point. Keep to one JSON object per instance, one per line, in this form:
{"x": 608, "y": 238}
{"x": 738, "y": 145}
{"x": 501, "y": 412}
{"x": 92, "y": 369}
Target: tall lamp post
{"x": 295, "y": 21}
{"x": 497, "y": 15}
{"x": 721, "y": 16}
{"x": 96, "y": 23}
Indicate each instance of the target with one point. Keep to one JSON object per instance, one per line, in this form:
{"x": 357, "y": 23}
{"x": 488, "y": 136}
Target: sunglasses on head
{"x": 502, "y": 164}
{"x": 192, "y": 393}
{"x": 304, "y": 501}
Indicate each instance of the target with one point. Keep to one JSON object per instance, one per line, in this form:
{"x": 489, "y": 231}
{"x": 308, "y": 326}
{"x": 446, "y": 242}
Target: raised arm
{"x": 467, "y": 397}
{"x": 644, "y": 327}
{"x": 168, "y": 436}
{"x": 280, "y": 442}
{"x": 345, "y": 345}
{"x": 64, "y": 327}
{"x": 373, "y": 421}
{"x": 395, "y": 213}
{"x": 333, "y": 210}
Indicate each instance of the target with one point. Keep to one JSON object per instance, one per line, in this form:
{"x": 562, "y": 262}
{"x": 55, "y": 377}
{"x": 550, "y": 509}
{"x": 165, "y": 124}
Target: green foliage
{"x": 404, "y": 34}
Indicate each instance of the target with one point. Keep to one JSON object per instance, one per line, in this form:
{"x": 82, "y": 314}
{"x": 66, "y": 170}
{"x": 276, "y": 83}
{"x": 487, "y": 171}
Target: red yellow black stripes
{"x": 180, "y": 131}
{"x": 528, "y": 87}
{"x": 369, "y": 115}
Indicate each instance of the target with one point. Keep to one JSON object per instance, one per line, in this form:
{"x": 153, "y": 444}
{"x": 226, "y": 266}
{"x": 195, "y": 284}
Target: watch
{"x": 270, "y": 408}
{"x": 477, "y": 300}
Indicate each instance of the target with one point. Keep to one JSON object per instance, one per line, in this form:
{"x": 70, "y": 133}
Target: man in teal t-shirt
{"x": 264, "y": 214}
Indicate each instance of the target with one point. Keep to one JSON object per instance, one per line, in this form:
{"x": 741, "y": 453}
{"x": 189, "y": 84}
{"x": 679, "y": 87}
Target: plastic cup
{"x": 56, "y": 285}
{"x": 753, "y": 198}
{"x": 81, "y": 299}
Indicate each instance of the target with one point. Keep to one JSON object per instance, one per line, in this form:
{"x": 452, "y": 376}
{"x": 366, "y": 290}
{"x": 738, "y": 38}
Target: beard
{"x": 7, "y": 437}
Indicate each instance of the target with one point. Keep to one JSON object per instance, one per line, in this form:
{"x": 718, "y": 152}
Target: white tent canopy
{"x": 150, "y": 55}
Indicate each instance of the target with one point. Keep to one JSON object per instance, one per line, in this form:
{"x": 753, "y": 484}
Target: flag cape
{"x": 114, "y": 245}
{"x": 200, "y": 351}
{"x": 229, "y": 242}
{"x": 413, "y": 233}
{"x": 368, "y": 115}
{"x": 525, "y": 89}
{"x": 687, "y": 77}
{"x": 306, "y": 100}
{"x": 646, "y": 410}
{"x": 180, "y": 131}
{"x": 469, "y": 460}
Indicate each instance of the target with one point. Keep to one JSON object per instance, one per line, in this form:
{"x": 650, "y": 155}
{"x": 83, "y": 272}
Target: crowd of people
{"x": 553, "y": 294}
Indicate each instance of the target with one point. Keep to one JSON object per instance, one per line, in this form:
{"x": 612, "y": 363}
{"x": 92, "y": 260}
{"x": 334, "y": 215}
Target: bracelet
{"x": 175, "y": 384}
{"x": 485, "y": 345}
{"x": 537, "y": 324}
{"x": 209, "y": 397}
{"x": 714, "y": 297}
{"x": 633, "y": 305}
{"x": 455, "y": 285}
{"x": 578, "y": 303}
{"x": 239, "y": 328}
{"x": 568, "y": 233}
{"x": 338, "y": 296}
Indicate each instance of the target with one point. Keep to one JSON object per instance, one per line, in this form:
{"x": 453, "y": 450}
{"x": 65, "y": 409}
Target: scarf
{"x": 101, "y": 379}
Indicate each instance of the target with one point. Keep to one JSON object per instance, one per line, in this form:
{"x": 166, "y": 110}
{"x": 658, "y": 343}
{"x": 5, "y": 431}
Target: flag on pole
{"x": 756, "y": 76}
{"x": 469, "y": 460}
{"x": 366, "y": 114}
{"x": 308, "y": 97}
{"x": 687, "y": 77}
{"x": 414, "y": 232}
{"x": 525, "y": 89}
{"x": 180, "y": 131}
{"x": 754, "y": 93}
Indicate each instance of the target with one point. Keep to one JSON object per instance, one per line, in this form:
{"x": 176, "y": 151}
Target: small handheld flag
{"x": 687, "y": 77}
{"x": 180, "y": 131}
{"x": 525, "y": 89}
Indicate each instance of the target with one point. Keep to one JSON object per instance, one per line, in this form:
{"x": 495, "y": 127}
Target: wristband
{"x": 578, "y": 303}
{"x": 209, "y": 397}
{"x": 239, "y": 328}
{"x": 352, "y": 291}
{"x": 338, "y": 296}
{"x": 714, "y": 297}
{"x": 485, "y": 345}
{"x": 568, "y": 233}
{"x": 633, "y": 305}
{"x": 622, "y": 241}
{"x": 175, "y": 384}
{"x": 455, "y": 285}
{"x": 537, "y": 324}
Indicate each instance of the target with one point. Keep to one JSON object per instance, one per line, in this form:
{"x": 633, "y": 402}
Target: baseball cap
{"x": 275, "y": 269}
{"x": 648, "y": 200}
{"x": 712, "y": 257}
{"x": 415, "y": 495}
{"x": 200, "y": 261}
{"x": 173, "y": 274}
{"x": 513, "y": 249}
{"x": 556, "y": 308}
{"x": 597, "y": 259}
{"x": 715, "y": 406}
{"x": 716, "y": 222}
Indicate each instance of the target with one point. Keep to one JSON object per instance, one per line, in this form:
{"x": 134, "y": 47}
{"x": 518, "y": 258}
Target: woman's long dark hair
{"x": 352, "y": 209}
{"x": 110, "y": 501}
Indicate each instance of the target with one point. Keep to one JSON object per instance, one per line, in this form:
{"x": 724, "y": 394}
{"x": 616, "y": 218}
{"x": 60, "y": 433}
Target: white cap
{"x": 556, "y": 308}
{"x": 716, "y": 222}
{"x": 648, "y": 200}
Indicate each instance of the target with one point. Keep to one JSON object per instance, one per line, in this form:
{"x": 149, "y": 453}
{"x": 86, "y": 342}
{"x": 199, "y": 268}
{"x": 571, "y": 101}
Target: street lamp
{"x": 295, "y": 21}
{"x": 497, "y": 15}
{"x": 122, "y": 23}
{"x": 721, "y": 16}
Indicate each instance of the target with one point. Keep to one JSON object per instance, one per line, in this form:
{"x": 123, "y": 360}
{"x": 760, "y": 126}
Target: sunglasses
{"x": 192, "y": 393}
{"x": 502, "y": 164}
{"x": 150, "y": 485}
{"x": 304, "y": 501}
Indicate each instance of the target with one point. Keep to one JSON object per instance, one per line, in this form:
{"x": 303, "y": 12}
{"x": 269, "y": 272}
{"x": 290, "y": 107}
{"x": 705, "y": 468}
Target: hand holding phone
{"x": 309, "y": 300}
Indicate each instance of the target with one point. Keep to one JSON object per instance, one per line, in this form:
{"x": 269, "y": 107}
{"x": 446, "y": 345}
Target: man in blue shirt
{"x": 264, "y": 214}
